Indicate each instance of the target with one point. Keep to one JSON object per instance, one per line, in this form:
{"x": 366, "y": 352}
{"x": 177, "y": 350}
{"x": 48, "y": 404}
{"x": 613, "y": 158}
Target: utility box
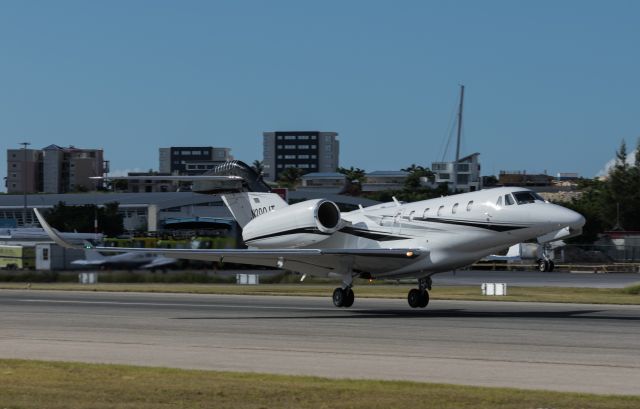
{"x": 494, "y": 288}
{"x": 247, "y": 279}
{"x": 88, "y": 278}
{"x": 50, "y": 257}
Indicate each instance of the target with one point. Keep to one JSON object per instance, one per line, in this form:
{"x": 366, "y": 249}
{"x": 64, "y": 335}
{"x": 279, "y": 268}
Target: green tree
{"x": 258, "y": 166}
{"x": 415, "y": 173}
{"x": 355, "y": 178}
{"x": 290, "y": 178}
{"x": 82, "y": 218}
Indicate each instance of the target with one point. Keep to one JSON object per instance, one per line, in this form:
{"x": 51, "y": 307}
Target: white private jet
{"x": 391, "y": 240}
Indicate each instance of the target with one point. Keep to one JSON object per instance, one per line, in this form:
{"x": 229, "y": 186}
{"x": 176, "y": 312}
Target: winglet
{"x": 53, "y": 235}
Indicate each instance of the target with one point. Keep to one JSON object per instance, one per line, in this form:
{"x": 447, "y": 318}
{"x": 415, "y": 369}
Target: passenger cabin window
{"x": 469, "y": 205}
{"x": 527, "y": 197}
{"x": 508, "y": 200}
{"x": 440, "y": 210}
{"x": 413, "y": 212}
{"x": 454, "y": 209}
{"x": 424, "y": 214}
{"x": 499, "y": 202}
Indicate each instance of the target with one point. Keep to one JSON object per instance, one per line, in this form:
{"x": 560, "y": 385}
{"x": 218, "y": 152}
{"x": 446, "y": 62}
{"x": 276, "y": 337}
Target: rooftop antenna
{"x": 455, "y": 164}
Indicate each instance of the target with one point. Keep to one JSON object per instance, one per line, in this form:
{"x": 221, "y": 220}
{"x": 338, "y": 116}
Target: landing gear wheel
{"x": 339, "y": 297}
{"x": 424, "y": 299}
{"x": 343, "y": 297}
{"x": 414, "y": 298}
{"x": 350, "y": 297}
{"x": 543, "y": 266}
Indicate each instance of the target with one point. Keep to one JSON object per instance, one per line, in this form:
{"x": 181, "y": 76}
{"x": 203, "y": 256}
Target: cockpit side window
{"x": 526, "y": 197}
{"x": 508, "y": 200}
{"x": 499, "y": 202}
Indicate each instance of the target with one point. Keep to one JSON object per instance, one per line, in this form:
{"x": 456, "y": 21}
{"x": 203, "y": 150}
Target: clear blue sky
{"x": 551, "y": 85}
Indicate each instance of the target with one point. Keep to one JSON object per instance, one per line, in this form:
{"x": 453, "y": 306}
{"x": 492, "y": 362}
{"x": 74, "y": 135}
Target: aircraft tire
{"x": 424, "y": 299}
{"x": 349, "y": 299}
{"x": 339, "y": 297}
{"x": 543, "y": 265}
{"x": 414, "y": 298}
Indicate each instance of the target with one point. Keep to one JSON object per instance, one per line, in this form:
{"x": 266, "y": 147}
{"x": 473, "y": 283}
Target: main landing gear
{"x": 545, "y": 265}
{"x": 419, "y": 297}
{"x": 343, "y": 296}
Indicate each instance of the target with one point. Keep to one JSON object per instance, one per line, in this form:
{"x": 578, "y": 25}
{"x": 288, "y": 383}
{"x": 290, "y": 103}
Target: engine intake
{"x": 299, "y": 225}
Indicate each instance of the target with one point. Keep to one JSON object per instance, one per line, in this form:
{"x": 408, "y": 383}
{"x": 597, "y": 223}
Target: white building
{"x": 468, "y": 171}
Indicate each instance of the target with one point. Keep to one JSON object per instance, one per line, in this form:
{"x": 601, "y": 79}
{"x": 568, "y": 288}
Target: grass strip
{"x": 627, "y": 295}
{"x": 53, "y": 385}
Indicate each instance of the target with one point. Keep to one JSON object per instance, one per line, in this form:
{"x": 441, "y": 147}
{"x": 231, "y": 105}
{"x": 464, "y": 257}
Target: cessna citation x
{"x": 388, "y": 241}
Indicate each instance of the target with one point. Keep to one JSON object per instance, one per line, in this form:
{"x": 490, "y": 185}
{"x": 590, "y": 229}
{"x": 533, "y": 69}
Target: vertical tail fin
{"x": 246, "y": 206}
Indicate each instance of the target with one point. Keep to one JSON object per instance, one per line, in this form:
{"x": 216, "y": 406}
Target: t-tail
{"x": 246, "y": 206}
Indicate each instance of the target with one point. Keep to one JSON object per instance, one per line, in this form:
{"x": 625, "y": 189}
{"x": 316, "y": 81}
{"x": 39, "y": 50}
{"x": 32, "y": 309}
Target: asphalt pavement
{"x": 564, "y": 347}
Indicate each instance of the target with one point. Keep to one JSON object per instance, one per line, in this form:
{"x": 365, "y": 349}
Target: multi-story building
{"x": 24, "y": 170}
{"x": 54, "y": 169}
{"x": 468, "y": 173}
{"x": 310, "y": 151}
{"x": 190, "y": 160}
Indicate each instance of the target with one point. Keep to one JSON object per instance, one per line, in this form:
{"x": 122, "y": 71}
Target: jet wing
{"x": 160, "y": 261}
{"x": 88, "y": 262}
{"x": 312, "y": 261}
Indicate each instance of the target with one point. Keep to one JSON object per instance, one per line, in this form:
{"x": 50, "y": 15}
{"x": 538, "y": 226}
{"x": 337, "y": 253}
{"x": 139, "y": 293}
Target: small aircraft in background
{"x": 128, "y": 260}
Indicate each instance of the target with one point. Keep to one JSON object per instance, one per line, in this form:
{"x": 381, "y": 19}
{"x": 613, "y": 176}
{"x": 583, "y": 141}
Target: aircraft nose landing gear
{"x": 419, "y": 297}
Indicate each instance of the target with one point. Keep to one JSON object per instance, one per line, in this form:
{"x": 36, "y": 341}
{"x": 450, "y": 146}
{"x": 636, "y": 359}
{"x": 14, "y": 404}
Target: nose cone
{"x": 564, "y": 217}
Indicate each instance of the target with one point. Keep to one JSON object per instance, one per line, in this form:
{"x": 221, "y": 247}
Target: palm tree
{"x": 258, "y": 166}
{"x": 290, "y": 177}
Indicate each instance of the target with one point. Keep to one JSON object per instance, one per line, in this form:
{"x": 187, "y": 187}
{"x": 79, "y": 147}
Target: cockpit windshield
{"x": 527, "y": 197}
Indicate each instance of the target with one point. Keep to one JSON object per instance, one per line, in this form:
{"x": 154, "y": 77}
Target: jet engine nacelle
{"x": 298, "y": 225}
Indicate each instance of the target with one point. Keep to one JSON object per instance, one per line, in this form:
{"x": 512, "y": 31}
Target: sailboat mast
{"x": 455, "y": 164}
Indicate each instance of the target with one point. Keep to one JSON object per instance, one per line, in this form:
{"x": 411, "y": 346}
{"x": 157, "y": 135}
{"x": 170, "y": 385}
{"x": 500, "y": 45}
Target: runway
{"x": 564, "y": 347}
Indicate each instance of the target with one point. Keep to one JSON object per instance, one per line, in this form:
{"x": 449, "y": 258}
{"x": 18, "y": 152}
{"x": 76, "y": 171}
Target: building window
{"x": 289, "y": 137}
{"x": 289, "y": 146}
{"x": 303, "y": 146}
{"x": 443, "y": 176}
{"x": 303, "y": 156}
{"x": 45, "y": 254}
{"x": 303, "y": 137}
{"x": 279, "y": 146}
{"x": 289, "y": 156}
{"x": 279, "y": 137}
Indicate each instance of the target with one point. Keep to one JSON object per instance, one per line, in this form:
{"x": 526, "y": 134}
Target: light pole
{"x": 24, "y": 183}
